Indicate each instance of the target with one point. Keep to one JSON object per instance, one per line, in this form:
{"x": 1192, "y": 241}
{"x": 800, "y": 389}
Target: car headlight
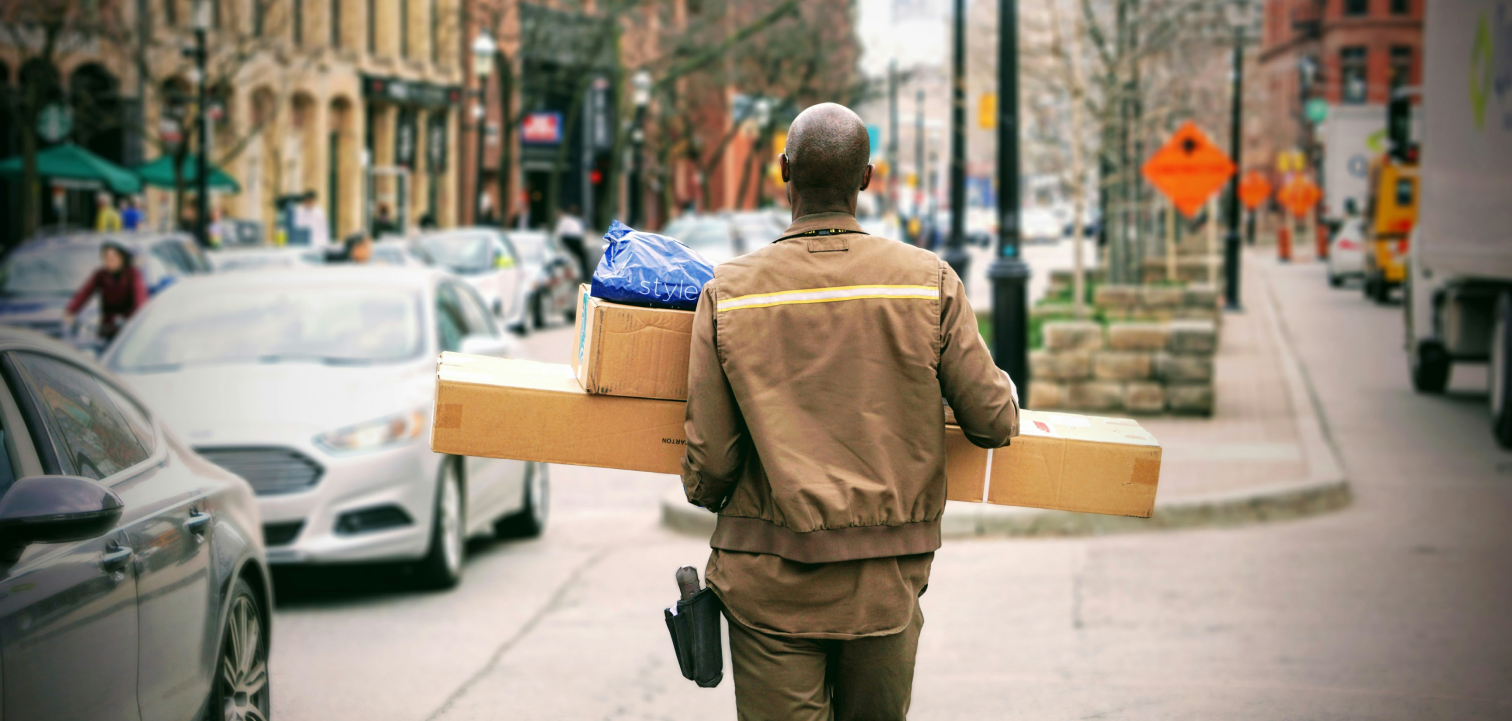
{"x": 376, "y": 434}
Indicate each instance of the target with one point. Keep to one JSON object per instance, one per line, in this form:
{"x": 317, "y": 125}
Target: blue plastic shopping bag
{"x": 647, "y": 269}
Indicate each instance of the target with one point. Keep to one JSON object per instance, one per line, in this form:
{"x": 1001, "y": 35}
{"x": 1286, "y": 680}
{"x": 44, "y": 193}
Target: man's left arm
{"x": 716, "y": 432}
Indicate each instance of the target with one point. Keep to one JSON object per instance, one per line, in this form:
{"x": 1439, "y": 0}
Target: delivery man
{"x": 815, "y": 429}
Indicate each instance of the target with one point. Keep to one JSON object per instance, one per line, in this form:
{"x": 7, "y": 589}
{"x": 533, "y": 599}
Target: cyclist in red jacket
{"x": 122, "y": 292}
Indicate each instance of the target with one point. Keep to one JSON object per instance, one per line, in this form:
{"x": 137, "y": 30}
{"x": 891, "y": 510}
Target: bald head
{"x": 825, "y": 162}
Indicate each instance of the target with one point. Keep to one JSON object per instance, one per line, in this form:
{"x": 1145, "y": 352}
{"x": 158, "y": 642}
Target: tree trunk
{"x": 505, "y": 70}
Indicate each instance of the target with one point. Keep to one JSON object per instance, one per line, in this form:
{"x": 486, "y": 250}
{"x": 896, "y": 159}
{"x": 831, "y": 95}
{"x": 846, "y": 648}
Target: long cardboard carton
{"x": 626, "y": 350}
{"x": 537, "y": 412}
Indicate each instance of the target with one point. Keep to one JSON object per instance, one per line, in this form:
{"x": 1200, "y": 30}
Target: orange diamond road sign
{"x": 1254, "y": 189}
{"x": 1189, "y": 169}
{"x": 1300, "y": 195}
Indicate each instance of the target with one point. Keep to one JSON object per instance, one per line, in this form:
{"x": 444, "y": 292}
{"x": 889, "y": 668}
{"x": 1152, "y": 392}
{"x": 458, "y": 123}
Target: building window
{"x": 435, "y": 33}
{"x": 1401, "y": 66}
{"x": 259, "y": 16}
{"x": 404, "y": 21}
{"x": 296, "y": 11}
{"x": 1352, "y": 76}
{"x": 335, "y": 24}
{"x": 170, "y": 12}
{"x": 372, "y": 26}
{"x": 1358, "y": 7}
{"x": 1400, "y": 7}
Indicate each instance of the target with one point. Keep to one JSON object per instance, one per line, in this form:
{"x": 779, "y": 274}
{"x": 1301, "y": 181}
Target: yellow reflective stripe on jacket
{"x": 829, "y": 295}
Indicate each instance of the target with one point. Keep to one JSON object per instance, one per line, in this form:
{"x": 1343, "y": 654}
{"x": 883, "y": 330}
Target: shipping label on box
{"x": 531, "y": 411}
{"x": 1061, "y": 461}
{"x": 626, "y": 350}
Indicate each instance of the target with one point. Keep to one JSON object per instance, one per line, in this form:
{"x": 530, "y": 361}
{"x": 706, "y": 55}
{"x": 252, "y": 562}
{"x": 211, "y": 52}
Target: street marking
{"x": 830, "y": 295}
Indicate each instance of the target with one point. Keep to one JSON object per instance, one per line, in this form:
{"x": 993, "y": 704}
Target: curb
{"x": 1325, "y": 489}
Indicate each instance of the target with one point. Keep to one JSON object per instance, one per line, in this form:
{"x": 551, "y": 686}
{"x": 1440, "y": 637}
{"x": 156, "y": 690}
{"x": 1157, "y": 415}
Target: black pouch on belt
{"x": 696, "y": 638}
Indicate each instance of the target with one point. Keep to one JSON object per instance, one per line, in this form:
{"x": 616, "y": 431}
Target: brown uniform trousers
{"x": 800, "y": 679}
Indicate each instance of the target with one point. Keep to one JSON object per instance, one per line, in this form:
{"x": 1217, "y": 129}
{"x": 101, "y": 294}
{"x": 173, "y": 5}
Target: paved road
{"x": 1396, "y": 607}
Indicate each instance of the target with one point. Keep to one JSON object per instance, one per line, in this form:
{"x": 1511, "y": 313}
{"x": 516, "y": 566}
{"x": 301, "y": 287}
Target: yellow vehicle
{"x": 1391, "y": 209}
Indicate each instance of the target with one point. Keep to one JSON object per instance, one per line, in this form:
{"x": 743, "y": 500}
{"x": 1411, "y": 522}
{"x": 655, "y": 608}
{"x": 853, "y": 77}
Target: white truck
{"x": 1459, "y": 285}
{"x": 1352, "y": 136}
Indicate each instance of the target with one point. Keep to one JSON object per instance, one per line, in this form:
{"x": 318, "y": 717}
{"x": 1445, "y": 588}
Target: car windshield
{"x": 531, "y": 246}
{"x": 323, "y": 324}
{"x": 460, "y": 253}
{"x": 57, "y": 270}
{"x": 757, "y": 231}
{"x": 704, "y": 234}
{"x": 230, "y": 262}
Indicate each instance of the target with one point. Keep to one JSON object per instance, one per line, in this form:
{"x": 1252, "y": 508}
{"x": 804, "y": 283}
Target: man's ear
{"x": 866, "y": 176}
{"x": 787, "y": 170}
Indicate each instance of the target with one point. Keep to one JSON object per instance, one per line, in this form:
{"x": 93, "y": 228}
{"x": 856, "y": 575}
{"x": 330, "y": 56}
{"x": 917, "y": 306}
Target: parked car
{"x": 316, "y": 385}
{"x": 756, "y": 229}
{"x": 134, "y": 573}
{"x": 40, "y": 276}
{"x": 263, "y": 257}
{"x": 1346, "y": 252}
{"x": 711, "y": 235}
{"x": 487, "y": 261}
{"x": 400, "y": 253}
{"x": 1040, "y": 225}
{"x": 551, "y": 276}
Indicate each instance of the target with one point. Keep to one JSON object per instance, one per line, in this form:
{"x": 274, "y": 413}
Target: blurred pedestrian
{"x": 131, "y": 215}
{"x": 827, "y": 341}
{"x": 569, "y": 230}
{"x": 310, "y": 220}
{"x": 120, "y": 287}
{"x": 107, "y": 220}
{"x": 384, "y": 224}
{"x": 358, "y": 248}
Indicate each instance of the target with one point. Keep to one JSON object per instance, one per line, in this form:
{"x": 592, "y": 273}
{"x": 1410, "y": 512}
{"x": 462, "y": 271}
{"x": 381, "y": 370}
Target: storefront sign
{"x": 410, "y": 92}
{"x": 541, "y": 128}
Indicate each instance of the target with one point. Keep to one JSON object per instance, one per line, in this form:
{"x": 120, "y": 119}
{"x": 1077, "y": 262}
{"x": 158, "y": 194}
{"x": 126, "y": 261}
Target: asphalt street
{"x": 1395, "y": 607}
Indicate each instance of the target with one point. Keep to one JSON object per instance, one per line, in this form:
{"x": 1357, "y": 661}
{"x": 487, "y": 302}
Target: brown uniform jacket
{"x": 814, "y": 421}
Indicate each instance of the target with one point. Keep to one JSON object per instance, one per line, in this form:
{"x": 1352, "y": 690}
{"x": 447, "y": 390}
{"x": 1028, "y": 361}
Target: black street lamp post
{"x": 955, "y": 250}
{"x": 202, "y": 160}
{"x": 483, "y": 48}
{"x": 1009, "y": 273}
{"x": 1238, "y": 18}
{"x": 635, "y": 194}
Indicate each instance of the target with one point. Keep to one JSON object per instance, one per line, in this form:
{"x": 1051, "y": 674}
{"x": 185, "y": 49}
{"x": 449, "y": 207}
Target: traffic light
{"x": 1399, "y": 128}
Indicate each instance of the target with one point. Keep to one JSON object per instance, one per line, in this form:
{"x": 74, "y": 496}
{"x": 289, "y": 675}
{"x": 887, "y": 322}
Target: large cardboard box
{"x": 1060, "y": 461}
{"x": 537, "y": 412}
{"x": 626, "y": 350}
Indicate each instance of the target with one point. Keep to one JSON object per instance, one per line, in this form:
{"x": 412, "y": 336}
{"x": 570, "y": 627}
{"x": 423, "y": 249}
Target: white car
{"x": 711, "y": 235}
{"x": 551, "y": 276}
{"x": 1040, "y": 225}
{"x": 243, "y": 258}
{"x": 487, "y": 261}
{"x": 316, "y": 385}
{"x": 1346, "y": 252}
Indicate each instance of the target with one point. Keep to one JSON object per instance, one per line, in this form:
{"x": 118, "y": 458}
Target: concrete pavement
{"x": 1395, "y": 607}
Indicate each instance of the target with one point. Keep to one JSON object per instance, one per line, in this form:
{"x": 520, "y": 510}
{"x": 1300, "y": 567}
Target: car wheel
{"x": 241, "y": 687}
{"x": 1501, "y": 385}
{"x": 1430, "y": 365}
{"x": 1382, "y": 292}
{"x": 442, "y": 566}
{"x": 571, "y": 311}
{"x": 530, "y": 520}
{"x": 1334, "y": 280}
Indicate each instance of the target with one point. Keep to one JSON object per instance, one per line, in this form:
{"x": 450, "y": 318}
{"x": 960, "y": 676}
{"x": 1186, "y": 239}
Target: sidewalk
{"x": 1262, "y": 456}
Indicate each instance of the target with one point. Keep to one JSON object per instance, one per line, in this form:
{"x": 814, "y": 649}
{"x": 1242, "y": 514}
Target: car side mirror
{"x": 500, "y": 347}
{"x": 56, "y": 509}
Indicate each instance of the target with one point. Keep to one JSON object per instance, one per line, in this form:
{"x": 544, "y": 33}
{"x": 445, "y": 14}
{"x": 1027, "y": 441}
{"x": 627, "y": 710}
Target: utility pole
{"x": 1009, "y": 273}
{"x": 1231, "y": 241}
{"x": 919, "y": 168}
{"x": 202, "y": 160}
{"x": 892, "y": 137}
{"x": 955, "y": 250}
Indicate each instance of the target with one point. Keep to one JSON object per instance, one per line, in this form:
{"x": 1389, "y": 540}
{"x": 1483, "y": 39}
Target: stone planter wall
{"x": 1154, "y": 356}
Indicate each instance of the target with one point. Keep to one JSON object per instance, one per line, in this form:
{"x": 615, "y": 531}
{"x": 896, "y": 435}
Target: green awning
{"x": 160, "y": 173}
{"x": 71, "y": 162}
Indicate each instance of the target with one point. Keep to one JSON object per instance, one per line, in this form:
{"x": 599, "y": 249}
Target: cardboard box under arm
{"x": 532, "y": 411}
{"x": 537, "y": 412}
{"x": 626, "y": 350}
